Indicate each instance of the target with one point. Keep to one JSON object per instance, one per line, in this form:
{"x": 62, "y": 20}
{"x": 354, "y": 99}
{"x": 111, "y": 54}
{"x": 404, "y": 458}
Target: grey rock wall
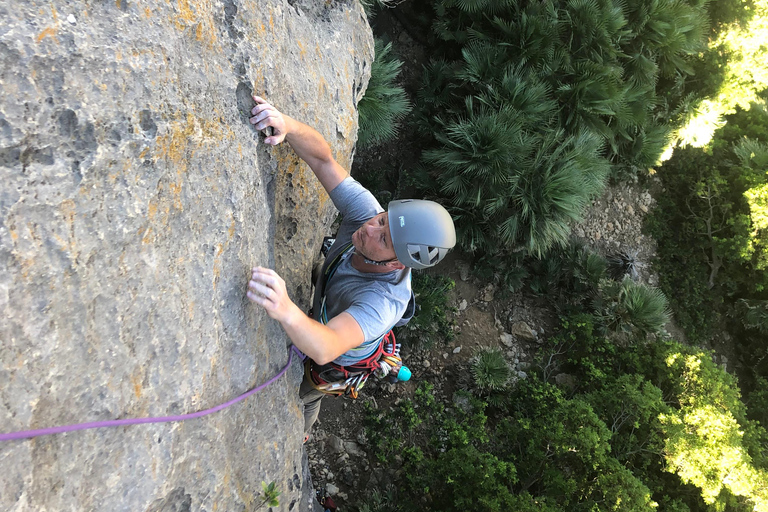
{"x": 134, "y": 199}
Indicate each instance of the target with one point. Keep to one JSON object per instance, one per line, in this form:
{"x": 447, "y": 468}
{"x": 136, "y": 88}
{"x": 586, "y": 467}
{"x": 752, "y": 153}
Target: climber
{"x": 364, "y": 289}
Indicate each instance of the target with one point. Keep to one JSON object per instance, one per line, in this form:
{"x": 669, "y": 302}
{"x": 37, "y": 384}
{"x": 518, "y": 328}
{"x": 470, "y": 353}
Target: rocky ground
{"x": 614, "y": 223}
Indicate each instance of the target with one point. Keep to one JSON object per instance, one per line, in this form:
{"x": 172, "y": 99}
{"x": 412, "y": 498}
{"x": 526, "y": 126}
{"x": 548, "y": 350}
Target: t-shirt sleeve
{"x": 354, "y": 202}
{"x": 375, "y": 312}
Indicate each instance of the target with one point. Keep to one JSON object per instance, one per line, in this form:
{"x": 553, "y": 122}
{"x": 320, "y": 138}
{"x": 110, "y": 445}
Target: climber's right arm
{"x": 305, "y": 141}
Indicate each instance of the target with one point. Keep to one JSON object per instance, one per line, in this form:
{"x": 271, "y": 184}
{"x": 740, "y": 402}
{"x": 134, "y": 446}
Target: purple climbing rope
{"x": 26, "y": 434}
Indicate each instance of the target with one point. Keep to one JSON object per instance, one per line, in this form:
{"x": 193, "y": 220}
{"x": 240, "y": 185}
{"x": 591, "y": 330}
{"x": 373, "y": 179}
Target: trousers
{"x": 312, "y": 399}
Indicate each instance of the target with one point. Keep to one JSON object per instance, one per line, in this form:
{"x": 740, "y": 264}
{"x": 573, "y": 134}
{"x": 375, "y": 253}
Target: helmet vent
{"x": 424, "y": 254}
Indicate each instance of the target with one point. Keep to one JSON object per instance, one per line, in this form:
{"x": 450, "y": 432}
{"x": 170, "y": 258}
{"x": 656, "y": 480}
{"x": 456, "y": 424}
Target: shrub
{"x": 384, "y": 103}
{"x": 431, "y": 322}
{"x": 628, "y": 306}
{"x": 490, "y": 370}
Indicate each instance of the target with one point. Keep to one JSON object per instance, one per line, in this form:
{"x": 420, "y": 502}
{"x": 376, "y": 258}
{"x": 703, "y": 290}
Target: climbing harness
{"x": 335, "y": 379}
{"x": 26, "y": 434}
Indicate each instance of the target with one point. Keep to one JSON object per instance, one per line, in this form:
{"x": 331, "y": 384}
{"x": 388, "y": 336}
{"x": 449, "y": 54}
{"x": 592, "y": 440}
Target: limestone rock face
{"x": 134, "y": 200}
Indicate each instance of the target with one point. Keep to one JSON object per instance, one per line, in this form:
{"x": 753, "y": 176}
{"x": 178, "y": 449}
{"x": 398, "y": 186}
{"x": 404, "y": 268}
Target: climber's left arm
{"x": 322, "y": 343}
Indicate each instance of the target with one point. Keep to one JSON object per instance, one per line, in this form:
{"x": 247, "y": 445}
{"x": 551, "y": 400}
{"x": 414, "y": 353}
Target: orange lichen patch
{"x": 175, "y": 190}
{"x": 48, "y": 32}
{"x": 63, "y": 243}
{"x": 136, "y": 381}
{"x": 349, "y": 122}
{"x": 258, "y": 82}
{"x": 246, "y": 497}
{"x": 14, "y": 234}
{"x": 217, "y": 263}
{"x": 322, "y": 87}
{"x": 231, "y": 231}
{"x": 148, "y": 237}
{"x": 151, "y": 210}
{"x": 201, "y": 18}
{"x": 302, "y": 50}
{"x": 54, "y": 13}
{"x": 185, "y": 13}
{"x": 185, "y": 137}
{"x": 68, "y": 209}
{"x": 147, "y": 12}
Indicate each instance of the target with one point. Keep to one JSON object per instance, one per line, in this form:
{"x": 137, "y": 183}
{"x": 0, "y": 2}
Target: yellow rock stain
{"x": 231, "y": 231}
{"x": 147, "y": 238}
{"x": 200, "y": 18}
{"x": 175, "y": 190}
{"x": 217, "y": 263}
{"x": 48, "y": 32}
{"x": 136, "y": 381}
{"x": 185, "y": 136}
{"x": 246, "y": 497}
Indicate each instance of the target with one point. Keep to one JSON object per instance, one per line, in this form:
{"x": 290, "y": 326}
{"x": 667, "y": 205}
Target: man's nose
{"x": 370, "y": 229}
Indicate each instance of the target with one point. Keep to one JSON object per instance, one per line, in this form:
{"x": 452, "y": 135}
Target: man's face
{"x": 373, "y": 239}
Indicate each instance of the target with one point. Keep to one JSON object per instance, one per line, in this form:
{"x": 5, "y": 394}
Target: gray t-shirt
{"x": 376, "y": 301}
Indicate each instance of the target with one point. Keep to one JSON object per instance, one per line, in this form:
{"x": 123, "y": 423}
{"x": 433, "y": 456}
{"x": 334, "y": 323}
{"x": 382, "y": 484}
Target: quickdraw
{"x": 334, "y": 379}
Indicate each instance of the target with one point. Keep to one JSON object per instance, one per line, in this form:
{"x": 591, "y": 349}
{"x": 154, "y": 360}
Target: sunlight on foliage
{"x": 746, "y": 74}
{"x": 704, "y": 440}
{"x": 701, "y": 127}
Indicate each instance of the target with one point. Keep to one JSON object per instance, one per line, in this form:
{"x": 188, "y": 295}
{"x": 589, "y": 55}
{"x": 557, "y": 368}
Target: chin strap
{"x": 372, "y": 262}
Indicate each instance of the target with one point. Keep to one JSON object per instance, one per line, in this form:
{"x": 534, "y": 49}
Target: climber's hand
{"x": 265, "y": 115}
{"x": 267, "y": 289}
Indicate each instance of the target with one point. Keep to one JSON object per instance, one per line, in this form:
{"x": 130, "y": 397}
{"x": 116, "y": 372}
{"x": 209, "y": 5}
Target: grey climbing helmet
{"x": 422, "y": 232}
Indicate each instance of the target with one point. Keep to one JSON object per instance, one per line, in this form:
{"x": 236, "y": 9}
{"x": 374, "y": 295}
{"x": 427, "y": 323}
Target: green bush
{"x": 528, "y": 105}
{"x": 384, "y": 103}
{"x": 711, "y": 229}
{"x": 490, "y": 370}
{"x": 647, "y": 423}
{"x": 431, "y": 322}
{"x": 628, "y": 306}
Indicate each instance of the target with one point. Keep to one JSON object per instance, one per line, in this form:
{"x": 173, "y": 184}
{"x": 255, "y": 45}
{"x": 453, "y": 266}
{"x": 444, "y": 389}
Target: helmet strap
{"x": 374, "y": 262}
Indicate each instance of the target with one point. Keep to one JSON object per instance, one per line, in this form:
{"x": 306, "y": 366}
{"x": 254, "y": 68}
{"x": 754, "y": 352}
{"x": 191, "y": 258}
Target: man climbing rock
{"x": 364, "y": 288}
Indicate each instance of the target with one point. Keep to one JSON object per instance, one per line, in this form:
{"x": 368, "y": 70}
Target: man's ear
{"x": 395, "y": 265}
